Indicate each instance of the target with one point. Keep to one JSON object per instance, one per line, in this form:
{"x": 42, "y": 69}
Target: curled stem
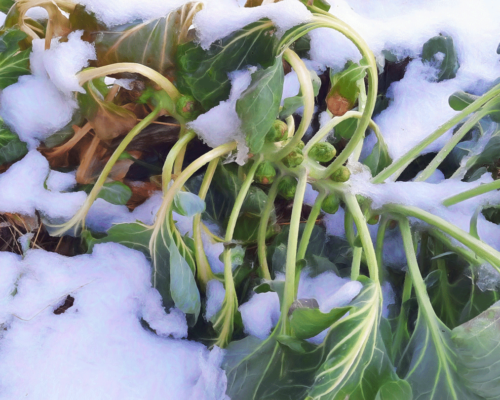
{"x": 184, "y": 139}
{"x": 307, "y": 90}
{"x": 93, "y": 73}
{"x": 261, "y": 234}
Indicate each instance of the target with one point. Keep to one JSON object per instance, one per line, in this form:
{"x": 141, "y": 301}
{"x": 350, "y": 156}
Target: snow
{"x": 215, "y": 297}
{"x": 60, "y": 181}
{"x": 2, "y": 18}
{"x": 97, "y": 348}
{"x": 40, "y": 104}
{"x": 260, "y": 314}
{"x": 208, "y": 126}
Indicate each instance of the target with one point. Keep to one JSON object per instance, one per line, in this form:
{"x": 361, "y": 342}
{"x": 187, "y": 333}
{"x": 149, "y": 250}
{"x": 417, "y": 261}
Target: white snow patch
{"x": 215, "y": 297}
{"x": 260, "y": 314}
{"x": 97, "y": 348}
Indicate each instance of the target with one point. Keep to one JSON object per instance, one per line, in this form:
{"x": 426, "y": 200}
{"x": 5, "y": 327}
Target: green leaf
{"x": 204, "y": 74}
{"x": 430, "y": 362}
{"x": 477, "y": 345}
{"x": 395, "y": 390}
{"x": 478, "y": 300}
{"x": 11, "y": 148}
{"x": 113, "y": 192}
{"x": 294, "y": 344}
{"x": 321, "y": 4}
{"x": 5, "y": 5}
{"x": 378, "y": 159}
{"x": 460, "y": 99}
{"x": 183, "y": 287}
{"x": 309, "y": 322}
{"x": 346, "y": 128}
{"x": 449, "y": 65}
{"x": 13, "y": 61}
{"x": 188, "y": 204}
{"x": 344, "y": 85}
{"x": 355, "y": 362}
{"x": 153, "y": 43}
{"x": 258, "y": 106}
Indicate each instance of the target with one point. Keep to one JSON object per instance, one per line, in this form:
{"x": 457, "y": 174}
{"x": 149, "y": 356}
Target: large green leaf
{"x": 355, "y": 363}
{"x": 204, "y": 74}
{"x": 258, "y": 106}
{"x": 11, "y": 148}
{"x": 153, "y": 43}
{"x": 5, "y": 5}
{"x": 309, "y": 322}
{"x": 442, "y": 45}
{"x": 430, "y": 363}
{"x": 395, "y": 390}
{"x": 14, "y": 62}
{"x": 188, "y": 204}
{"x": 478, "y": 345}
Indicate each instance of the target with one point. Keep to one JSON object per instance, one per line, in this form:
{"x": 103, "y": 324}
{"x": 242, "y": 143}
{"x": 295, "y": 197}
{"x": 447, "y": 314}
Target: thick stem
{"x": 448, "y": 147}
{"x": 291, "y": 251}
{"x": 480, "y": 248}
{"x": 89, "y": 74}
{"x": 261, "y": 234}
{"x": 306, "y": 233}
{"x": 379, "y": 247}
{"x": 203, "y": 271}
{"x": 364, "y": 233}
{"x": 399, "y": 165}
{"x": 468, "y": 194}
{"x": 307, "y": 90}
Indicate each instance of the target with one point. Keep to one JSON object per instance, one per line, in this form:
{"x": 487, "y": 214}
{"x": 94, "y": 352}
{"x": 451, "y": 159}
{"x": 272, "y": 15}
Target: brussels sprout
{"x": 294, "y": 158}
{"x": 278, "y": 131}
{"x": 287, "y": 187}
{"x": 265, "y": 173}
{"x": 187, "y": 108}
{"x": 341, "y": 175}
{"x": 301, "y": 145}
{"x": 322, "y": 152}
{"x": 373, "y": 219}
{"x": 330, "y": 204}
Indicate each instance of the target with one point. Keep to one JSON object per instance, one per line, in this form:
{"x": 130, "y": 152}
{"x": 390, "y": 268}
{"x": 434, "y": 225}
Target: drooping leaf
{"x": 113, "y": 192}
{"x": 344, "y": 89}
{"x": 203, "y": 73}
{"x": 395, "y": 390}
{"x": 183, "y": 287}
{"x": 460, "y": 99}
{"x": 188, "y": 204}
{"x": 477, "y": 344}
{"x": 309, "y": 322}
{"x": 153, "y": 43}
{"x": 13, "y": 61}
{"x": 258, "y": 106}
{"x": 379, "y": 158}
{"x": 11, "y": 148}
{"x": 321, "y": 4}
{"x": 440, "y": 49}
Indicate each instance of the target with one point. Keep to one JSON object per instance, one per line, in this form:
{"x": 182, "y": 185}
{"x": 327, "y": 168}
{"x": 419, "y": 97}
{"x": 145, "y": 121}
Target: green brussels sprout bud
{"x": 301, "y": 145}
{"x": 278, "y": 131}
{"x": 187, "y": 107}
{"x": 322, "y": 152}
{"x": 294, "y": 158}
{"x": 287, "y": 187}
{"x": 265, "y": 173}
{"x": 330, "y": 204}
{"x": 373, "y": 219}
{"x": 341, "y": 175}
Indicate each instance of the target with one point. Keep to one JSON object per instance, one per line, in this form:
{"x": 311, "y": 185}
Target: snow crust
{"x": 97, "y": 348}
